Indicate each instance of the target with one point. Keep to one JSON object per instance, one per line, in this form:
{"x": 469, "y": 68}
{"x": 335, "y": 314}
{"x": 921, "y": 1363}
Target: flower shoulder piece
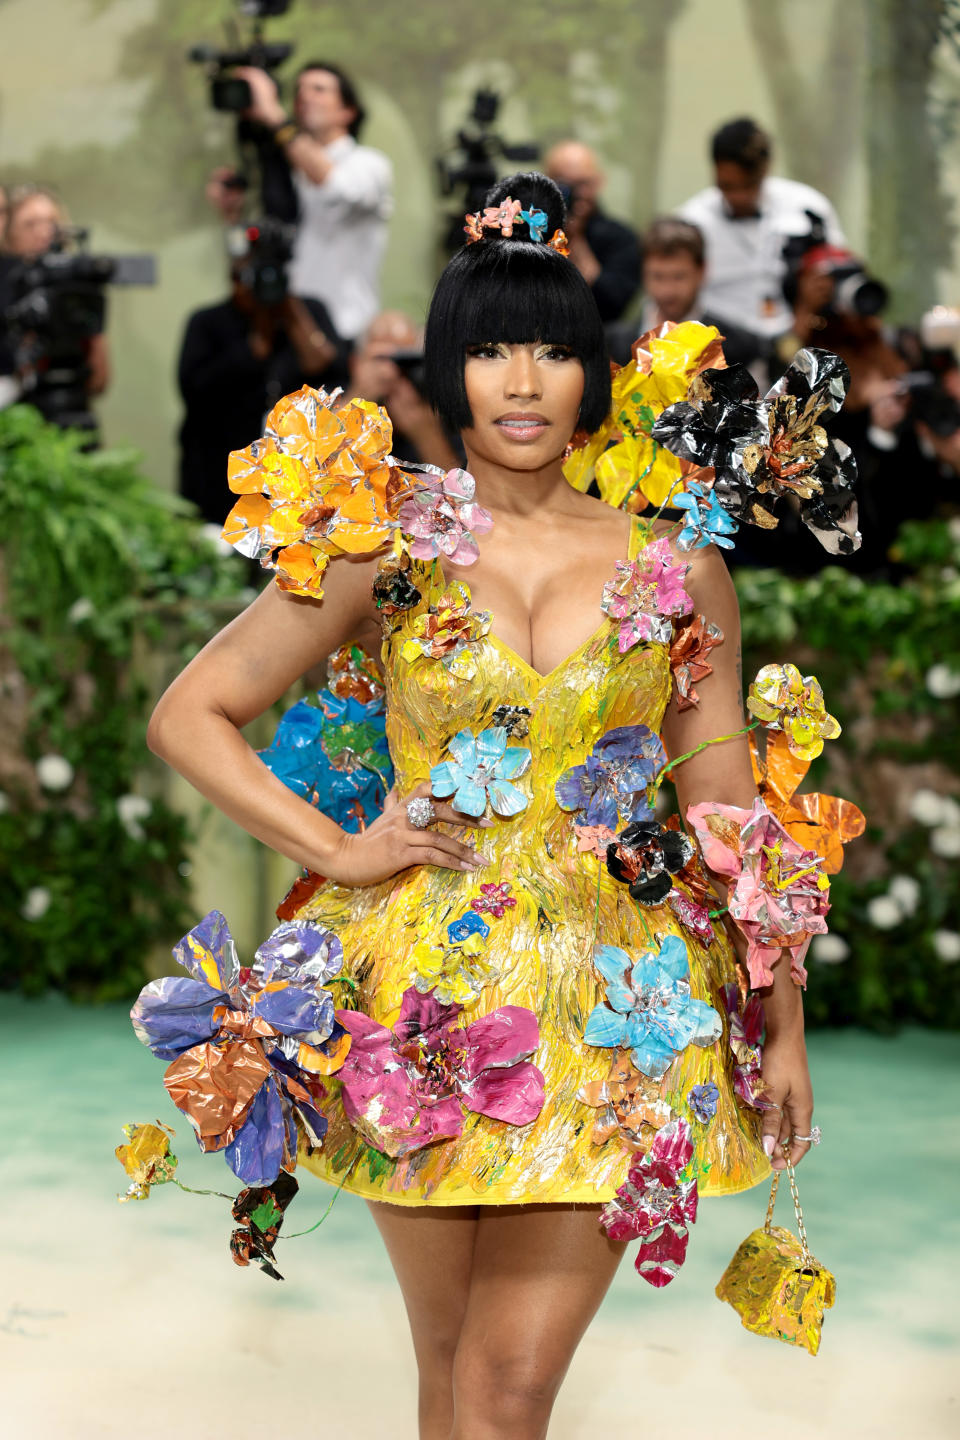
{"x": 441, "y": 517}
{"x": 646, "y": 596}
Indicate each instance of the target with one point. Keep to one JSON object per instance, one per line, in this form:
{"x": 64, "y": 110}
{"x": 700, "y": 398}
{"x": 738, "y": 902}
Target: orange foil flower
{"x": 822, "y": 823}
{"x": 627, "y": 1102}
{"x": 319, "y": 483}
{"x": 692, "y": 643}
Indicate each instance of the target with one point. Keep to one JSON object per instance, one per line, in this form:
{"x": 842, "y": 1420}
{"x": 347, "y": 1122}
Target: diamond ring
{"x": 813, "y": 1138}
{"x": 420, "y": 812}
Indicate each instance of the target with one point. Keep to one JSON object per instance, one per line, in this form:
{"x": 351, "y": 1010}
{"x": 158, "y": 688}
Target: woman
{"x": 490, "y": 1214}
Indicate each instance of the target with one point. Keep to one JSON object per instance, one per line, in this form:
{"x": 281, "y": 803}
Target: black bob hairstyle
{"x": 514, "y": 292}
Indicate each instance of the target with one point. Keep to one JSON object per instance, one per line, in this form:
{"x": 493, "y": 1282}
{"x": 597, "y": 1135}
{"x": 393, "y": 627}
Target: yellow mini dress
{"x": 539, "y": 952}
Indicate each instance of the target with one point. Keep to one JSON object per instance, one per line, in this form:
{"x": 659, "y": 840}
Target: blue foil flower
{"x": 335, "y": 754}
{"x": 247, "y": 1044}
{"x": 649, "y": 1009}
{"x": 703, "y": 526}
{"x": 482, "y": 769}
{"x": 703, "y": 1100}
{"x": 536, "y": 223}
{"x": 611, "y": 786}
{"x": 469, "y": 924}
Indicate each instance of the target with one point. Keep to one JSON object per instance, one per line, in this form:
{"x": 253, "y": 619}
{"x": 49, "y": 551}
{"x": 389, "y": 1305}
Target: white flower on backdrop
{"x": 945, "y": 841}
{"x": 942, "y": 682}
{"x": 829, "y": 949}
{"x": 884, "y": 912}
{"x": 80, "y": 610}
{"x": 906, "y": 891}
{"x": 947, "y": 945}
{"x": 54, "y": 772}
{"x": 36, "y": 903}
{"x": 131, "y": 809}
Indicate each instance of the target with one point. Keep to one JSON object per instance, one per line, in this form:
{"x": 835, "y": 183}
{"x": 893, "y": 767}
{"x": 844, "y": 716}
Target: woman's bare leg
{"x": 539, "y": 1274}
{"x": 431, "y": 1250}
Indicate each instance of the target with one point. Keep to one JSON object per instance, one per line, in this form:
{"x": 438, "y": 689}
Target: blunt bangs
{"x": 515, "y": 293}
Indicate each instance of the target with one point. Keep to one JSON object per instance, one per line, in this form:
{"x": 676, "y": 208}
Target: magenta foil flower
{"x": 781, "y": 894}
{"x": 408, "y": 1087}
{"x": 443, "y": 519}
{"x": 655, "y": 1206}
{"x": 645, "y": 595}
{"x": 746, "y": 1023}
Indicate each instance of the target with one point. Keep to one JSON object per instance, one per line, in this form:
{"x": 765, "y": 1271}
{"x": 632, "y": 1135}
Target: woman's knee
{"x": 499, "y": 1386}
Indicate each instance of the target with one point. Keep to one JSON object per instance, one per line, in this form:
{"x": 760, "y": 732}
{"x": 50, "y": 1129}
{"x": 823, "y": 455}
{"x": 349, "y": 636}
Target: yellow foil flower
{"x": 146, "y": 1159}
{"x": 630, "y": 468}
{"x": 783, "y": 699}
{"x": 455, "y": 973}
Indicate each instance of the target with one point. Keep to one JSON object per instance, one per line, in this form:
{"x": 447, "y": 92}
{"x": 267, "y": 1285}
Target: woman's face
{"x": 525, "y": 403}
{"x": 33, "y": 226}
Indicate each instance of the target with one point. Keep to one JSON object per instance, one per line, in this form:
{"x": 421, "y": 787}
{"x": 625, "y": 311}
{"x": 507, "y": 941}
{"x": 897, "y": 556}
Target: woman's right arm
{"x": 196, "y": 728}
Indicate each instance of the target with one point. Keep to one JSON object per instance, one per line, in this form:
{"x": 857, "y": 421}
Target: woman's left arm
{"x": 722, "y": 773}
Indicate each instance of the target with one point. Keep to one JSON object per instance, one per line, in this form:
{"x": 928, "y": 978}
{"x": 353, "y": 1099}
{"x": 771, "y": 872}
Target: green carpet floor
{"x": 120, "y": 1320}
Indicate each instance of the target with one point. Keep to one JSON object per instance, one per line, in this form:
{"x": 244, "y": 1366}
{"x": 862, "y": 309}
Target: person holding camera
{"x": 344, "y": 190}
{"x": 746, "y": 218}
{"x": 387, "y": 366}
{"x": 237, "y": 360}
{"x": 35, "y": 225}
{"x": 606, "y": 252}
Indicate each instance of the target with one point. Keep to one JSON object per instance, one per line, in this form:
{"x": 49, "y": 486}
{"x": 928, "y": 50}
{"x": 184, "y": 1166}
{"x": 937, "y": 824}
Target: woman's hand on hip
{"x": 392, "y": 843}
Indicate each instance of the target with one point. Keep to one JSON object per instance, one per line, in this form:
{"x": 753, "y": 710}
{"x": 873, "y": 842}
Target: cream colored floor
{"x": 132, "y": 1321}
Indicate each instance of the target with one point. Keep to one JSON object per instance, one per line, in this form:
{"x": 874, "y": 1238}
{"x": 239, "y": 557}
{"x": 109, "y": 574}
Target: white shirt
{"x": 745, "y": 266}
{"x": 343, "y": 233}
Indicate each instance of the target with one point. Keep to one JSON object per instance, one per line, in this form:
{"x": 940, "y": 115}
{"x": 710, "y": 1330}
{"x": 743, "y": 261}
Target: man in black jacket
{"x": 237, "y": 360}
{"x": 606, "y": 252}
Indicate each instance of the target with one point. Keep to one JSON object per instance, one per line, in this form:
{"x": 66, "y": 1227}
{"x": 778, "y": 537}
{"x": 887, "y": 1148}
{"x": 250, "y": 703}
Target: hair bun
{"x": 535, "y": 192}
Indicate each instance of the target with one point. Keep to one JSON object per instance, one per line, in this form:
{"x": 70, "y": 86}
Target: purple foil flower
{"x": 408, "y": 1087}
{"x": 655, "y": 1206}
{"x": 746, "y": 1021}
{"x": 610, "y": 788}
{"x": 702, "y": 1101}
{"x": 247, "y": 1045}
{"x": 646, "y": 593}
{"x": 443, "y": 519}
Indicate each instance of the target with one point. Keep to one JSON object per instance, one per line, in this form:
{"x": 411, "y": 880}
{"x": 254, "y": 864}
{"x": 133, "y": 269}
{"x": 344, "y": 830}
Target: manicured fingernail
{"x": 486, "y": 824}
{"x": 768, "y": 1144}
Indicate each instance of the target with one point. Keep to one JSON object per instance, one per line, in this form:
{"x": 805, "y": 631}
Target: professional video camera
{"x": 855, "y": 292}
{"x": 470, "y": 160}
{"x": 59, "y": 302}
{"x": 263, "y": 251}
{"x": 227, "y": 91}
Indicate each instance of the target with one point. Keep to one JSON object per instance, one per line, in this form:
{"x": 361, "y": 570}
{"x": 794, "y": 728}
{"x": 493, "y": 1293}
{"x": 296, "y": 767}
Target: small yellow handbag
{"x": 775, "y": 1284}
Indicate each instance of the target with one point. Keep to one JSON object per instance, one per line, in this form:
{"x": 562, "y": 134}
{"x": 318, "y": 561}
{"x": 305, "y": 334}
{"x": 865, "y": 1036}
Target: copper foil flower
{"x": 781, "y": 894}
{"x": 823, "y": 823}
{"x": 692, "y": 642}
{"x": 763, "y": 449}
{"x": 627, "y": 1102}
{"x": 448, "y": 630}
{"x": 352, "y": 674}
{"x": 393, "y": 586}
{"x": 784, "y": 700}
{"x": 319, "y": 483}
{"x": 656, "y": 1206}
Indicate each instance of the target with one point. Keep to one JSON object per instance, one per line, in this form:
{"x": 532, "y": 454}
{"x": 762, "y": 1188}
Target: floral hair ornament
{"x": 504, "y": 217}
{"x": 630, "y": 465}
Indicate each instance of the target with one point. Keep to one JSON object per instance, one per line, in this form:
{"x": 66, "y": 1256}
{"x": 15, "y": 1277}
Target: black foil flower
{"x": 645, "y": 855}
{"x": 763, "y": 449}
{"x": 259, "y": 1212}
{"x": 515, "y": 719}
{"x": 393, "y": 590}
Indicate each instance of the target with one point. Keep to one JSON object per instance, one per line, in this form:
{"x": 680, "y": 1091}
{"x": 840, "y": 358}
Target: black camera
{"x": 262, "y": 251}
{"x": 855, "y": 292}
{"x": 228, "y": 92}
{"x": 58, "y": 303}
{"x": 470, "y": 162}
{"x": 410, "y": 365}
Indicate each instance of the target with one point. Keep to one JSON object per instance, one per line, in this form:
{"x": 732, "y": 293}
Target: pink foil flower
{"x": 496, "y": 900}
{"x": 655, "y": 1206}
{"x": 502, "y": 217}
{"x": 443, "y": 519}
{"x": 645, "y": 595}
{"x": 781, "y": 893}
{"x": 694, "y": 918}
{"x": 408, "y": 1087}
{"x": 594, "y": 839}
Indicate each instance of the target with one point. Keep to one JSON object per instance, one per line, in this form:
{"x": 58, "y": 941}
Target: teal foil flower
{"x": 482, "y": 769}
{"x": 649, "y": 1009}
{"x": 707, "y": 524}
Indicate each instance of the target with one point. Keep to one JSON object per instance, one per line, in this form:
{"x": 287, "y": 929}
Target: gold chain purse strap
{"x": 775, "y": 1284}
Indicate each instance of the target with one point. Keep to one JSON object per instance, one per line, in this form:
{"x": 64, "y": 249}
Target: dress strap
{"x": 639, "y": 536}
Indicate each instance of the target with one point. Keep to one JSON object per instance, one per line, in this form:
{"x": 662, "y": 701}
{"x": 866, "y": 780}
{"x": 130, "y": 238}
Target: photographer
{"x": 34, "y": 226}
{"x": 386, "y": 366}
{"x": 237, "y": 360}
{"x": 606, "y": 252}
{"x": 343, "y": 189}
{"x": 746, "y": 218}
